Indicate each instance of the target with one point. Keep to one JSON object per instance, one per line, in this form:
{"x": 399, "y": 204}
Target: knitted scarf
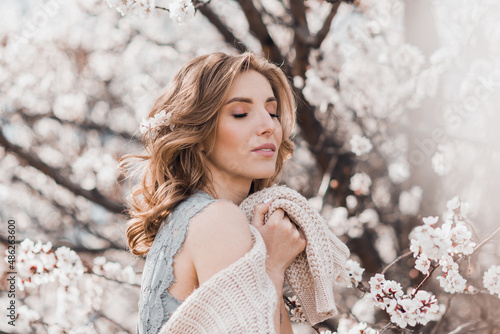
{"x": 242, "y": 298}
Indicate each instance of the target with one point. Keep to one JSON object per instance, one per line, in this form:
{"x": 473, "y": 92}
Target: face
{"x": 248, "y": 133}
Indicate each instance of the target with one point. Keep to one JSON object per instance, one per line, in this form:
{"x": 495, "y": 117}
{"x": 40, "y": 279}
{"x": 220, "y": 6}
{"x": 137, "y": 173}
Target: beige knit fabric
{"x": 239, "y": 299}
{"x": 312, "y": 274}
{"x": 242, "y": 298}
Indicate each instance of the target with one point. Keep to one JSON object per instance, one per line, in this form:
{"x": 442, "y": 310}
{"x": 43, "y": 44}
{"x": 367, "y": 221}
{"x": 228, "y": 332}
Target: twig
{"x": 395, "y": 261}
{"x": 90, "y": 271}
{"x": 433, "y": 267}
{"x": 223, "y": 29}
{"x": 316, "y": 330}
{"x": 383, "y": 330}
{"x": 260, "y": 31}
{"x": 54, "y": 173}
{"x": 436, "y": 328}
{"x": 196, "y": 5}
{"x": 327, "y": 176}
{"x": 362, "y": 287}
{"x": 323, "y": 32}
{"x": 464, "y": 326}
{"x": 113, "y": 322}
{"x": 482, "y": 243}
{"x": 117, "y": 281}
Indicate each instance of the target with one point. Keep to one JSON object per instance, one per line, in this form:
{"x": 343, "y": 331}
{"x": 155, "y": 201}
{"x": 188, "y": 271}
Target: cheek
{"x": 230, "y": 137}
{"x": 278, "y": 135}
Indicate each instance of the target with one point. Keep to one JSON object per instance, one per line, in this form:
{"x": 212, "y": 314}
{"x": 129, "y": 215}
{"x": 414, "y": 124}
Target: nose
{"x": 267, "y": 124}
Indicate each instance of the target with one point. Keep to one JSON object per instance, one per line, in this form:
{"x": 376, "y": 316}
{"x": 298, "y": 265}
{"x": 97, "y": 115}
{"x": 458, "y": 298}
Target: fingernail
{"x": 269, "y": 199}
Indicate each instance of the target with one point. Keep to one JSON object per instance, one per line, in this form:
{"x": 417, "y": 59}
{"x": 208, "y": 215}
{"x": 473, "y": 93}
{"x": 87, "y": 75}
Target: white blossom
{"x": 453, "y": 204}
{"x": 458, "y": 208}
{"x": 351, "y": 202}
{"x": 452, "y": 282}
{"x": 364, "y": 311}
{"x": 140, "y": 7}
{"x": 442, "y": 161}
{"x": 433, "y": 242}
{"x": 27, "y": 314}
{"x": 422, "y": 264}
{"x": 460, "y": 237}
{"x": 399, "y": 171}
{"x": 430, "y": 242}
{"x": 181, "y": 10}
{"x": 360, "y": 183}
{"x": 447, "y": 264}
{"x": 369, "y": 217}
{"x": 354, "y": 227}
{"x": 360, "y": 145}
{"x": 403, "y": 312}
{"x": 113, "y": 270}
{"x": 295, "y": 310}
{"x": 69, "y": 266}
{"x": 403, "y": 309}
{"x": 430, "y": 220}
{"x": 156, "y": 122}
{"x": 39, "y": 264}
{"x": 348, "y": 326}
{"x": 428, "y": 308}
{"x": 338, "y": 220}
{"x": 355, "y": 271}
{"x": 409, "y": 201}
{"x": 491, "y": 280}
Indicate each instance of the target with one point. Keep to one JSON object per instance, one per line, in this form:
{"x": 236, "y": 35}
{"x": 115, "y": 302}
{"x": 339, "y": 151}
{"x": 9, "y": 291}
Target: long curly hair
{"x": 173, "y": 165}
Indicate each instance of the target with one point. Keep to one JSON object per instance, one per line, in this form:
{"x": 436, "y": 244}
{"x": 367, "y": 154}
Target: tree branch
{"x": 464, "y": 326}
{"x": 433, "y": 267}
{"x": 395, "y": 261}
{"x": 71, "y": 213}
{"x": 383, "y": 330}
{"x": 302, "y": 38}
{"x": 85, "y": 125}
{"x": 323, "y": 32}
{"x": 223, "y": 29}
{"x": 485, "y": 241}
{"x": 259, "y": 30}
{"x": 92, "y": 195}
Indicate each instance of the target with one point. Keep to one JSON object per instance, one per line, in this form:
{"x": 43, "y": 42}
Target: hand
{"x": 283, "y": 239}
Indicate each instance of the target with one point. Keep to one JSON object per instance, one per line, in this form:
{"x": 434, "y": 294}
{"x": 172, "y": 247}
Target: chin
{"x": 264, "y": 173}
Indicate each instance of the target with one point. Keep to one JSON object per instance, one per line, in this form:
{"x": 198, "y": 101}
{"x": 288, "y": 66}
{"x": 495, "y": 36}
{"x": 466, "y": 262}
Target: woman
{"x": 220, "y": 131}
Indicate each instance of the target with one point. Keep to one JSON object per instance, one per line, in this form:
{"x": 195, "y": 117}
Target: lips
{"x": 266, "y": 150}
{"x": 269, "y": 147}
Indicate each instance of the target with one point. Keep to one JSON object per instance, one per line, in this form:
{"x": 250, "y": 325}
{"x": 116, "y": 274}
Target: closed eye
{"x": 240, "y": 115}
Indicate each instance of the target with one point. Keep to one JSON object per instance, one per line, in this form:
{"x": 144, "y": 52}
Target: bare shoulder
{"x": 217, "y": 215}
{"x": 217, "y": 237}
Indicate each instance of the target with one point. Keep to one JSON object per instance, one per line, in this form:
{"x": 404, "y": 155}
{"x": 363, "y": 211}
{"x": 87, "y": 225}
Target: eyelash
{"x": 246, "y": 114}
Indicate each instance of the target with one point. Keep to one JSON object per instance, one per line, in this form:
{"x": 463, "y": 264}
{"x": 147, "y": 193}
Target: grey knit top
{"x": 156, "y": 304}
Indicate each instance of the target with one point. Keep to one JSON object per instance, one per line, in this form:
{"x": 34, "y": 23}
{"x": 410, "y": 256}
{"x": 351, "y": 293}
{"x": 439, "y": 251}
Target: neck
{"x": 234, "y": 190}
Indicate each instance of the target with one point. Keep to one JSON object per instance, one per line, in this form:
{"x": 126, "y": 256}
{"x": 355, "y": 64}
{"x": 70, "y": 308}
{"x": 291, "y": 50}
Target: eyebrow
{"x": 248, "y": 100}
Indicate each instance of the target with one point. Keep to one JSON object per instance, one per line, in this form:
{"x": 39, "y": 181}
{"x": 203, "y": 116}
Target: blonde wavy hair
{"x": 173, "y": 165}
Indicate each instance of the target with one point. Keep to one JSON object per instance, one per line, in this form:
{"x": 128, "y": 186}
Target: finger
{"x": 302, "y": 235}
{"x": 296, "y": 225}
{"x": 276, "y": 217}
{"x": 259, "y": 212}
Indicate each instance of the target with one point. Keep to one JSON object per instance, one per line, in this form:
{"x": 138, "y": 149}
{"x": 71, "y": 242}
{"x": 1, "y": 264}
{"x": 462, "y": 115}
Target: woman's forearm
{"x": 286, "y": 326}
{"x": 281, "y": 319}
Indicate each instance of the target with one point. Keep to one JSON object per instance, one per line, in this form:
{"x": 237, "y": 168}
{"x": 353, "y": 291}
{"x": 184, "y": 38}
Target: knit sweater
{"x": 238, "y": 299}
{"x": 242, "y": 298}
{"x": 313, "y": 273}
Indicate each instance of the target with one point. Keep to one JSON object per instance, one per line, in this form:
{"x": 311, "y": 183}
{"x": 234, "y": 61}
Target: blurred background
{"x": 397, "y": 114}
